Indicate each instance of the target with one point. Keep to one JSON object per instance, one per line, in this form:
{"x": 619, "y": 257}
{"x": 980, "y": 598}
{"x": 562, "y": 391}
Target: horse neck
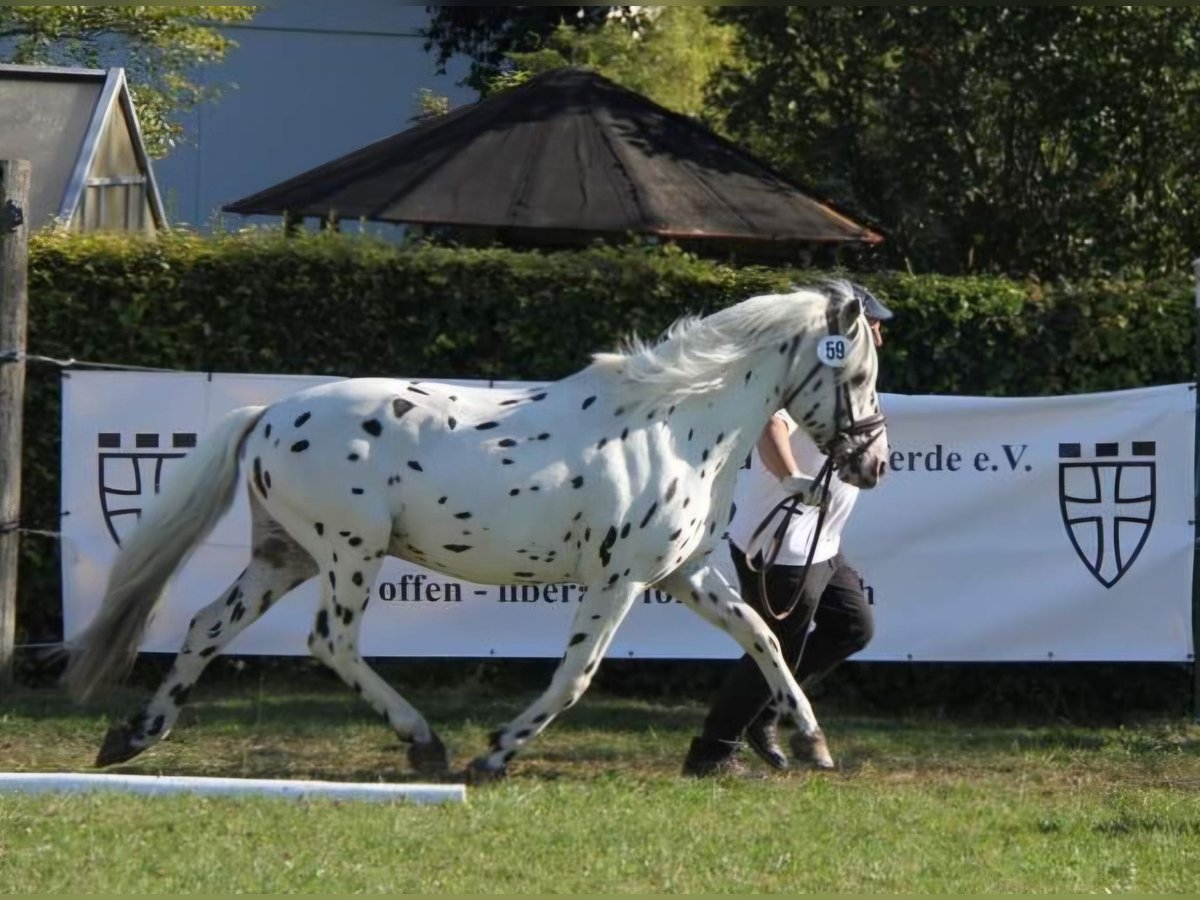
{"x": 753, "y": 391}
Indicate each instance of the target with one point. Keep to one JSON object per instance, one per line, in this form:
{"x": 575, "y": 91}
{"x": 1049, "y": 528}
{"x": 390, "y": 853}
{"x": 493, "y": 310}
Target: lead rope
{"x": 789, "y": 507}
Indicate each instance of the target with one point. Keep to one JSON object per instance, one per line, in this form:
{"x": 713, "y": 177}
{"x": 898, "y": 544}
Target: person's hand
{"x": 807, "y": 489}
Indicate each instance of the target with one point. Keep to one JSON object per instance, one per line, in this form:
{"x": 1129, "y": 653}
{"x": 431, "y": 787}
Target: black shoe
{"x": 763, "y": 738}
{"x": 712, "y": 759}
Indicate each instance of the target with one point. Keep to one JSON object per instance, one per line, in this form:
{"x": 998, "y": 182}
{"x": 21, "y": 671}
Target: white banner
{"x": 1051, "y": 528}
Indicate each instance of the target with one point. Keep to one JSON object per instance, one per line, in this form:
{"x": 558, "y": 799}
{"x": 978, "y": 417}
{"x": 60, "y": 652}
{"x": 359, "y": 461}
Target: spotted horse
{"x": 617, "y": 478}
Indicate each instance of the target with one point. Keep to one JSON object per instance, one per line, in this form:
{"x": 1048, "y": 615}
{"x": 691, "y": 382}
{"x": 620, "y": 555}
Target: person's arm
{"x": 775, "y": 451}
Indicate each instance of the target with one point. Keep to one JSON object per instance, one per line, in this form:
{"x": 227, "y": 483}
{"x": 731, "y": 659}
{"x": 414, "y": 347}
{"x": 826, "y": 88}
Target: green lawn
{"x": 596, "y": 804}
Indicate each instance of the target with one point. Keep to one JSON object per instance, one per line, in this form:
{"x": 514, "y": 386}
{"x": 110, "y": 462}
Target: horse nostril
{"x": 880, "y": 469}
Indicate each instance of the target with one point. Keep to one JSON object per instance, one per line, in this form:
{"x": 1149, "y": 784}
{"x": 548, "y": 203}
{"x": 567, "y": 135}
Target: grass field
{"x": 920, "y": 804}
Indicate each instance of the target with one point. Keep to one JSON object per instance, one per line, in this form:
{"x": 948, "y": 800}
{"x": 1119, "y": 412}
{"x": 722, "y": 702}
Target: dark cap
{"x": 872, "y": 308}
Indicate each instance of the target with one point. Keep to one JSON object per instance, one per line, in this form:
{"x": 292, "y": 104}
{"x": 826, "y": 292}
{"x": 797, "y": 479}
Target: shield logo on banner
{"x": 1107, "y": 504}
{"x": 128, "y": 475}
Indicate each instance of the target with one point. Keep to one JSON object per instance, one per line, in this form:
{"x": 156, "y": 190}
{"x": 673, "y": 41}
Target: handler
{"x": 832, "y": 599}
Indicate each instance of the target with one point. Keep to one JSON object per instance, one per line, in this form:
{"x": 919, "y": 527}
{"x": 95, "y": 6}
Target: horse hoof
{"x": 118, "y": 747}
{"x": 479, "y": 772}
{"x": 813, "y": 749}
{"x": 429, "y": 757}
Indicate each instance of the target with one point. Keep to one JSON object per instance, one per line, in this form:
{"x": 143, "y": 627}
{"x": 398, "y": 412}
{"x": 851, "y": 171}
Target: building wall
{"x": 309, "y": 81}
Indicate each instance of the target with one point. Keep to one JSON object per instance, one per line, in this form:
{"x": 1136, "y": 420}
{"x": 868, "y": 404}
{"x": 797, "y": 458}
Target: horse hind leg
{"x": 277, "y": 565}
{"x": 347, "y": 580}
{"x": 600, "y": 612}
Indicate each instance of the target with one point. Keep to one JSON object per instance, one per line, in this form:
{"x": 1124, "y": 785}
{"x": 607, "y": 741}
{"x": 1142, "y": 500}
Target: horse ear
{"x": 849, "y": 311}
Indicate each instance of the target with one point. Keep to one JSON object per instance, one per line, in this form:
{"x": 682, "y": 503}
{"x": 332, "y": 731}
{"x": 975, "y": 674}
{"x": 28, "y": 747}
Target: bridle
{"x": 838, "y": 447}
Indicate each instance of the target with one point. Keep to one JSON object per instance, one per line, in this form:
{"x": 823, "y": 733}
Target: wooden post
{"x": 14, "y": 255}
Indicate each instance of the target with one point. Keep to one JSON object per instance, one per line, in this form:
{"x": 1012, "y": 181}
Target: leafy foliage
{"x": 669, "y": 55}
{"x": 488, "y": 34}
{"x": 335, "y": 304}
{"x": 159, "y": 46}
{"x": 1047, "y": 139}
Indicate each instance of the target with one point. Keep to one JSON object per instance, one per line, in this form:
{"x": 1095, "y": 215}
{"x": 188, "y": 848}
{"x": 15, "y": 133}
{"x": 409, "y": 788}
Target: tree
{"x": 487, "y": 34}
{"x": 159, "y": 46}
{"x": 1050, "y": 140}
{"x": 667, "y": 53}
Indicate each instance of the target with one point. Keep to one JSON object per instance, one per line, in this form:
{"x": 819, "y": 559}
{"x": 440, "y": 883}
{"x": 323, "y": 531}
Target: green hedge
{"x": 351, "y": 306}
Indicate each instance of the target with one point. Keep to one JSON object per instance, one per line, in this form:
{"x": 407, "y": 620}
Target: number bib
{"x": 833, "y": 351}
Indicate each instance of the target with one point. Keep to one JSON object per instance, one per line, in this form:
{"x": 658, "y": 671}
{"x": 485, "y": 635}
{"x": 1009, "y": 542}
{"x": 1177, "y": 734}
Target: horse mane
{"x": 697, "y": 355}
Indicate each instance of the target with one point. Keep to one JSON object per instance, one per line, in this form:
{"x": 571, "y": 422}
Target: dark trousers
{"x": 832, "y": 598}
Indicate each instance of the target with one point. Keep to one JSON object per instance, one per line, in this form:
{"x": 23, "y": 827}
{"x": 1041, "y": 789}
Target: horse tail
{"x": 198, "y": 492}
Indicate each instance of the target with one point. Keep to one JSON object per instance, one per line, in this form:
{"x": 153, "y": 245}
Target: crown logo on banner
{"x": 1107, "y": 500}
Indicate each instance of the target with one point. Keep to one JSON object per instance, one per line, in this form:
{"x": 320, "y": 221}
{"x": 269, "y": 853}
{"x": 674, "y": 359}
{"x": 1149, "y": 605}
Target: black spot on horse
{"x": 332, "y": 575}
{"x": 373, "y": 427}
{"x": 417, "y": 390}
{"x": 299, "y": 446}
{"x": 207, "y": 651}
{"x": 625, "y": 530}
{"x": 544, "y": 436}
{"x": 400, "y": 406}
{"x": 179, "y": 693}
{"x": 452, "y": 423}
{"x": 456, "y": 548}
{"x": 507, "y": 442}
{"x": 624, "y": 433}
{"x": 649, "y": 513}
{"x": 267, "y": 431}
{"x": 588, "y": 402}
{"x": 485, "y": 426}
{"x": 506, "y": 462}
{"x": 415, "y": 466}
{"x": 523, "y": 574}
{"x": 536, "y": 397}
{"x": 671, "y": 490}
{"x": 354, "y": 541}
{"x": 323, "y": 623}
{"x": 353, "y": 457}
{"x": 600, "y": 445}
{"x": 577, "y": 481}
{"x": 302, "y": 418}
{"x": 462, "y": 515}
{"x": 578, "y": 638}
{"x": 540, "y": 717}
{"x": 606, "y": 545}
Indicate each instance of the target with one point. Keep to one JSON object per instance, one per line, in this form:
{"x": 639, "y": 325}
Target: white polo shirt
{"x": 757, "y": 492}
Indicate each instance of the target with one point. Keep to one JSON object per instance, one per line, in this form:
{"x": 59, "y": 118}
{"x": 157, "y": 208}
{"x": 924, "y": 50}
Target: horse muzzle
{"x": 860, "y": 455}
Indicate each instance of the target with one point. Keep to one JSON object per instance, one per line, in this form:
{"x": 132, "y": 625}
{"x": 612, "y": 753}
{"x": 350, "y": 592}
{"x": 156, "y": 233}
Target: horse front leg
{"x": 601, "y": 610}
{"x": 705, "y": 590}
